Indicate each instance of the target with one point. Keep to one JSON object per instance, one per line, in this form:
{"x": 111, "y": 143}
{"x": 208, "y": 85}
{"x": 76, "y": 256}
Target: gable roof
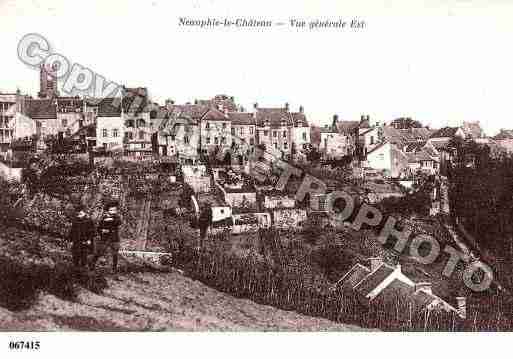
{"x": 195, "y": 112}
{"x": 214, "y": 115}
{"x": 373, "y": 279}
{"x": 275, "y": 116}
{"x": 299, "y": 119}
{"x": 41, "y": 109}
{"x": 241, "y": 118}
{"x": 445, "y": 132}
{"x": 354, "y": 275}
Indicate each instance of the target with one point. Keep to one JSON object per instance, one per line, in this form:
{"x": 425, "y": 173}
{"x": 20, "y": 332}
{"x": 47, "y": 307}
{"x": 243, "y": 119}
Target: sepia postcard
{"x": 258, "y": 166}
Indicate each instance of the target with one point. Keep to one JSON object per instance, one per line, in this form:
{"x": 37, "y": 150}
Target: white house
{"x": 389, "y": 158}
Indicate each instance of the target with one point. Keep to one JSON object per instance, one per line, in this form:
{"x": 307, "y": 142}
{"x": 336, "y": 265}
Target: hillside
{"x": 42, "y": 295}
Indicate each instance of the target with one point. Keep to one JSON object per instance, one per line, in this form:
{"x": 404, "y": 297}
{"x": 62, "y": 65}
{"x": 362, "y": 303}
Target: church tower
{"x": 47, "y": 82}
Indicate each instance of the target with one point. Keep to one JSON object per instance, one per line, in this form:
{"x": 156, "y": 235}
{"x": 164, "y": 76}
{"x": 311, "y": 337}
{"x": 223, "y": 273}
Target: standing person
{"x": 81, "y": 236}
{"x": 108, "y": 229}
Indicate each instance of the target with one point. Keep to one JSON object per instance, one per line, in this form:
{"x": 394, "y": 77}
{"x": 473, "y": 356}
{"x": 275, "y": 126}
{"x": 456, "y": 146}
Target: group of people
{"x": 90, "y": 243}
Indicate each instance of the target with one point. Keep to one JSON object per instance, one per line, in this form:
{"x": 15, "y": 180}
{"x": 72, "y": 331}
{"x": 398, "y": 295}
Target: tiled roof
{"x": 440, "y": 144}
{"x": 504, "y": 135}
{"x": 414, "y": 147}
{"x": 275, "y": 116}
{"x": 241, "y": 118}
{"x": 422, "y": 299}
{"x": 107, "y": 107}
{"x": 195, "y": 112}
{"x": 445, "y": 132}
{"x": 347, "y": 127}
{"x": 354, "y": 276}
{"x": 41, "y": 109}
{"x": 397, "y": 289}
{"x": 372, "y": 280}
{"x": 214, "y": 115}
{"x": 223, "y": 102}
{"x": 421, "y": 155}
{"x": 299, "y": 119}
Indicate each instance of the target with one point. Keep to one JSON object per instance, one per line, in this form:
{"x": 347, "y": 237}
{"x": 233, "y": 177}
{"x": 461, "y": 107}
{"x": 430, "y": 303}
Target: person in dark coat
{"x": 81, "y": 236}
{"x": 108, "y": 230}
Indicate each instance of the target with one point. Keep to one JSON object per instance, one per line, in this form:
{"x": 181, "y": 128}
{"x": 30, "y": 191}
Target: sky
{"x": 439, "y": 62}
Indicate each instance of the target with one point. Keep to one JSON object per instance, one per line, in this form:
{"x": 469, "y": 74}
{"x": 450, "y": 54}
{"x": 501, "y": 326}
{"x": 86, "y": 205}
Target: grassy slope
{"x": 141, "y": 300}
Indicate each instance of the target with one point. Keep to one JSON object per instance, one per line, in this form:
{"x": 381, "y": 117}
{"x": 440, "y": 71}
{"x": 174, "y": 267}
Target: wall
{"x": 109, "y": 123}
{"x": 335, "y": 145}
{"x": 215, "y": 130}
{"x": 24, "y": 126}
{"x": 296, "y": 134}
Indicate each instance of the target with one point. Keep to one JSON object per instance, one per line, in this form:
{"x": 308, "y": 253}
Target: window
{"x": 275, "y": 145}
{"x": 130, "y": 135}
{"x": 141, "y": 135}
{"x": 224, "y": 125}
{"x": 172, "y": 137}
{"x": 371, "y": 140}
{"x": 266, "y": 133}
{"x": 251, "y": 130}
{"x": 64, "y": 122}
{"x": 207, "y": 126}
{"x": 105, "y": 133}
{"x": 242, "y": 131}
{"x": 223, "y": 140}
{"x": 233, "y": 131}
{"x": 216, "y": 140}
{"x": 285, "y": 145}
{"x": 115, "y": 132}
{"x": 304, "y": 136}
{"x": 275, "y": 133}
{"x": 251, "y": 141}
{"x": 186, "y": 139}
{"x": 207, "y": 141}
{"x": 284, "y": 134}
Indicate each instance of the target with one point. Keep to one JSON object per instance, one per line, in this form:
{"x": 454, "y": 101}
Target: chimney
{"x": 169, "y": 102}
{"x": 425, "y": 286}
{"x": 301, "y": 109}
{"x": 375, "y": 262}
{"x": 255, "y": 105}
{"x": 462, "y": 306}
{"x": 335, "y": 118}
{"x": 286, "y": 106}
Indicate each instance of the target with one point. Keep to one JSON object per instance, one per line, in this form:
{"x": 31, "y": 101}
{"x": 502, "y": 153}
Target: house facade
{"x": 389, "y": 158}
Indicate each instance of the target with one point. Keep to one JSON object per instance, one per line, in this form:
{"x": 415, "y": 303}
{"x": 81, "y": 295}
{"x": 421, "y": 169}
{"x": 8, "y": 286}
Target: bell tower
{"x": 47, "y": 82}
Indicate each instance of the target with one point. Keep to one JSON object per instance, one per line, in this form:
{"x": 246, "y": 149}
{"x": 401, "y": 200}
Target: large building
{"x": 285, "y": 131}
